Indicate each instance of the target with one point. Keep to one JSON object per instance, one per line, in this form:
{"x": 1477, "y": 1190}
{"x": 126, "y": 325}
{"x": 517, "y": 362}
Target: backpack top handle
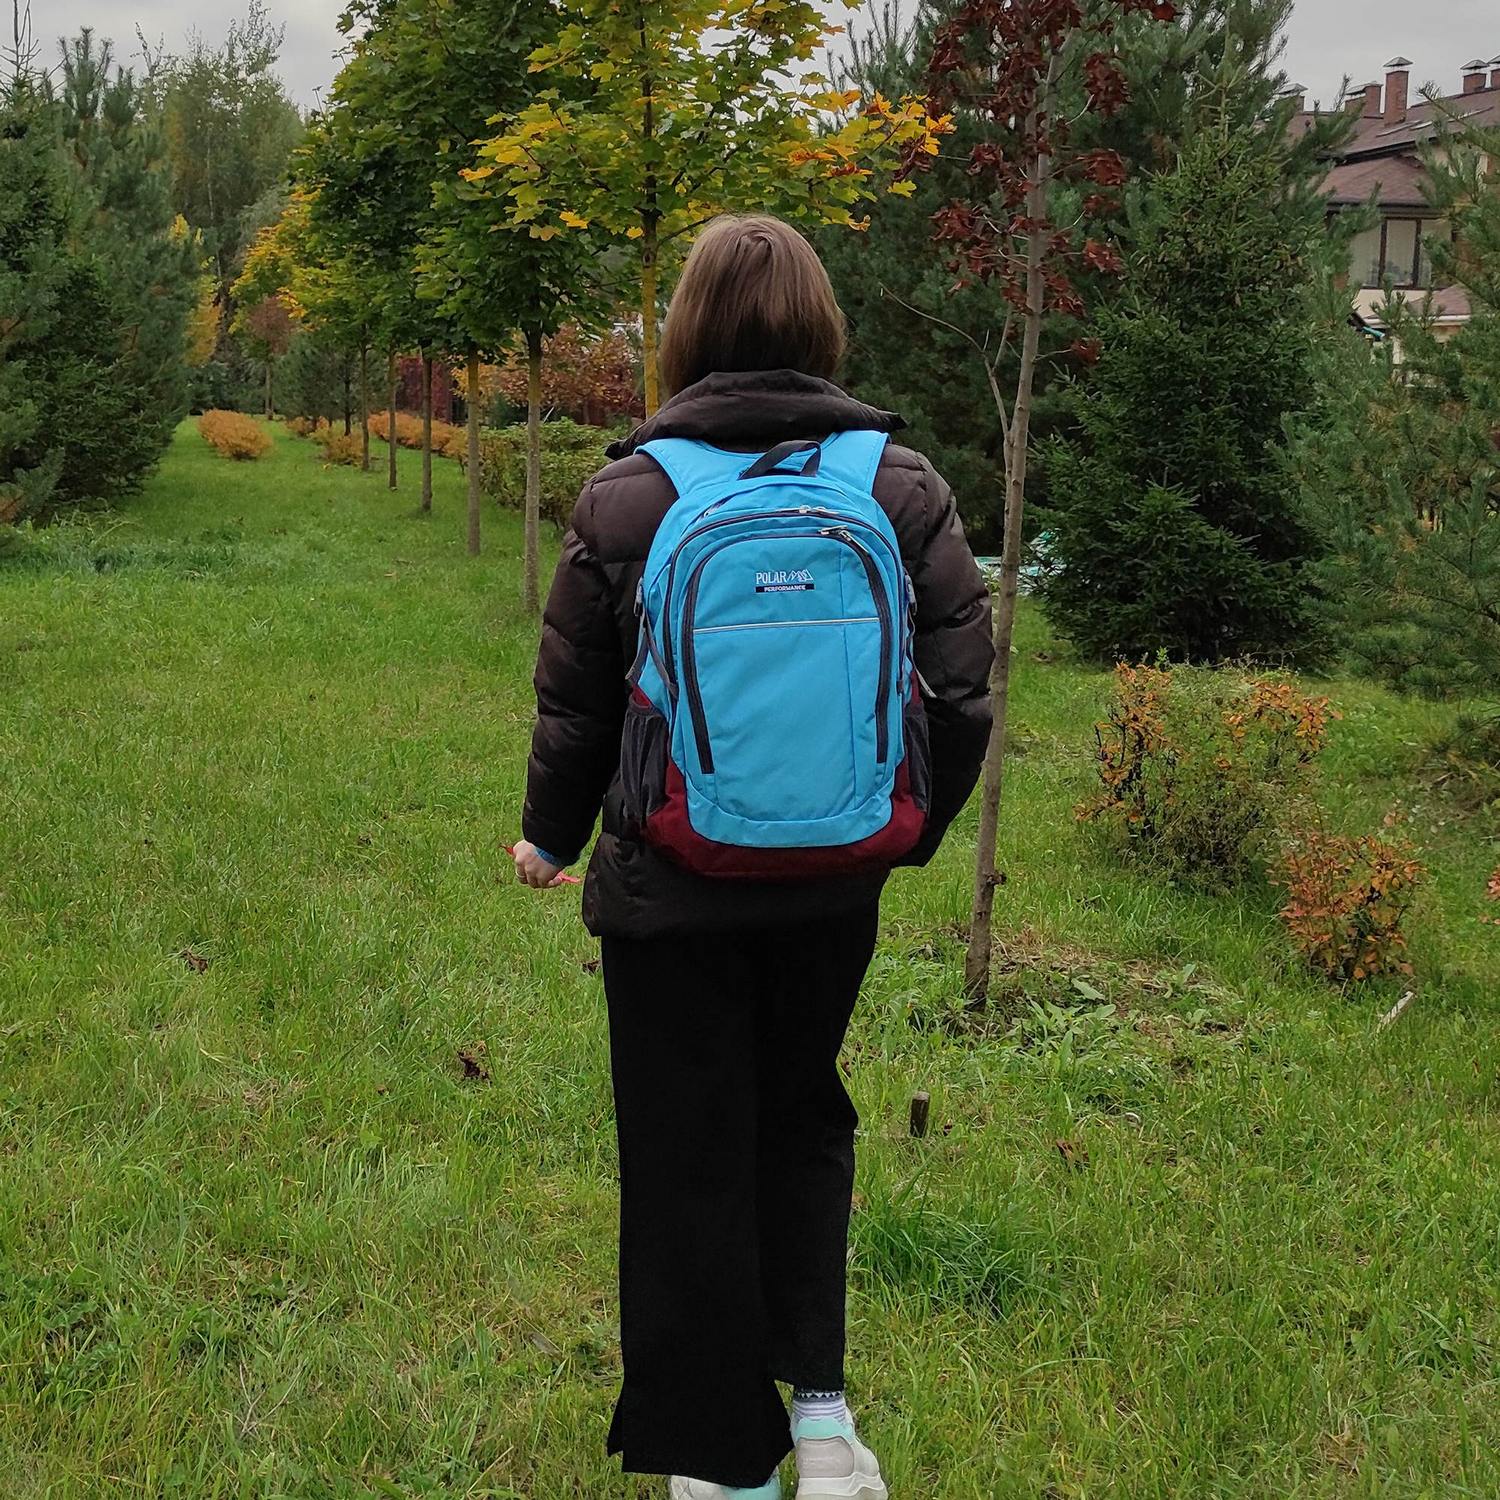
{"x": 768, "y": 463}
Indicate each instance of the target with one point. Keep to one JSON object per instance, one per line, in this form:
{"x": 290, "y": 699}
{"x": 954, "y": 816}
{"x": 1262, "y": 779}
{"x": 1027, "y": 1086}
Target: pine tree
{"x": 1174, "y": 522}
{"x": 36, "y": 228}
{"x": 1404, "y": 480}
{"x": 153, "y": 258}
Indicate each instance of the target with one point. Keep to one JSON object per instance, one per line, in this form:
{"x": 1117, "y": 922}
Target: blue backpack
{"x": 775, "y": 728}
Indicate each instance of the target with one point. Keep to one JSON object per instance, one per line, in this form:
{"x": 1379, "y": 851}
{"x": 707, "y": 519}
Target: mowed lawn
{"x": 306, "y": 1148}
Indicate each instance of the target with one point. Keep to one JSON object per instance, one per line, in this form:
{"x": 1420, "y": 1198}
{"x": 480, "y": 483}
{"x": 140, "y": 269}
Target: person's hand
{"x": 533, "y": 870}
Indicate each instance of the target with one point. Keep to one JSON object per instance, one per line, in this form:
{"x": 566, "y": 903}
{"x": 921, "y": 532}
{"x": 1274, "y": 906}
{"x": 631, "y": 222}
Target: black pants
{"x": 736, "y": 1167}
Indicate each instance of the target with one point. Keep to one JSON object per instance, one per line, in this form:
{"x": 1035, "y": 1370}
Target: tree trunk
{"x": 427, "y": 432}
{"x": 986, "y": 876}
{"x": 348, "y": 396}
{"x": 390, "y": 416}
{"x": 473, "y": 400}
{"x": 364, "y": 407}
{"x": 270, "y": 405}
{"x": 650, "y": 221}
{"x": 648, "y": 320}
{"x": 532, "y": 588}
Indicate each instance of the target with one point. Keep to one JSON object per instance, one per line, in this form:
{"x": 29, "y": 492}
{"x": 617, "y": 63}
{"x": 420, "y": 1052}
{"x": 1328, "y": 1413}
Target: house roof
{"x": 1451, "y": 303}
{"x": 1382, "y": 160}
{"x": 1424, "y": 122}
{"x": 1447, "y": 304}
{"x": 1395, "y": 181}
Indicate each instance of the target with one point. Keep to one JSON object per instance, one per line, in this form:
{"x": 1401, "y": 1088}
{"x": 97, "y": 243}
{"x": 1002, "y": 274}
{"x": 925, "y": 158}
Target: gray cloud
{"x": 1328, "y": 39}
{"x": 1333, "y": 38}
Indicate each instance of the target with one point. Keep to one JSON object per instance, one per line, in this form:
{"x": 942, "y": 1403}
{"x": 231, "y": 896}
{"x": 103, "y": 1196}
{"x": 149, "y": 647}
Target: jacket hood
{"x": 757, "y": 406}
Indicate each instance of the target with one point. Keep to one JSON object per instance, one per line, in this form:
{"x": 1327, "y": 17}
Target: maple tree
{"x": 267, "y": 327}
{"x": 320, "y": 284}
{"x": 501, "y": 283}
{"x": 660, "y": 116}
{"x": 1013, "y": 64}
{"x": 424, "y": 78}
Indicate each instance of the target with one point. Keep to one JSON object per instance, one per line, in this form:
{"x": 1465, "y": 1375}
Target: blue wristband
{"x": 551, "y": 859}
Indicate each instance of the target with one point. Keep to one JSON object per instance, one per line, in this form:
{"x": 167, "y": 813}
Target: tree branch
{"x": 989, "y": 362}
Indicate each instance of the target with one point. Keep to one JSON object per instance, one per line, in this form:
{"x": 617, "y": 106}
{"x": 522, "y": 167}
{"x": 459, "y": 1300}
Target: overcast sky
{"x": 1329, "y": 38}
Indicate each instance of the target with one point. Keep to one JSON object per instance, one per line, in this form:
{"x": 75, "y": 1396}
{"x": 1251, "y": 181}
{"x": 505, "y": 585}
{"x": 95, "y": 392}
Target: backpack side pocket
{"x": 643, "y": 762}
{"x": 918, "y": 751}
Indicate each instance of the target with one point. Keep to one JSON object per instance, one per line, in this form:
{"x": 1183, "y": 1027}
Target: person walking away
{"x": 765, "y": 656}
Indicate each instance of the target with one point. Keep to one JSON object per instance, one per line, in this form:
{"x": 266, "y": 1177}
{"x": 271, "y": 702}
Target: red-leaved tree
{"x": 590, "y": 378}
{"x": 1027, "y": 71}
{"x": 268, "y": 327}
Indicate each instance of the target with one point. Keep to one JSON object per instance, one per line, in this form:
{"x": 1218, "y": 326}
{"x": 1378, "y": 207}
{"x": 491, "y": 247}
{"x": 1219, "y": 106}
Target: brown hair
{"x": 753, "y": 296}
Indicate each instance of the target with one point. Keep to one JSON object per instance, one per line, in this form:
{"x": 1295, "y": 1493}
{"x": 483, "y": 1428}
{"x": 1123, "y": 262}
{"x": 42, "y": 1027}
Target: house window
{"x": 1401, "y": 252}
{"x": 1433, "y": 229}
{"x": 1364, "y": 256}
{"x": 1392, "y": 253}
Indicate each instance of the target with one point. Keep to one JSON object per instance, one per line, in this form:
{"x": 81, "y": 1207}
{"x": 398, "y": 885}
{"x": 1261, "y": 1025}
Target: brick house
{"x": 1382, "y": 161}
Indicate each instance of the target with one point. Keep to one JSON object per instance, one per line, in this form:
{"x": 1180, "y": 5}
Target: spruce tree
{"x": 1174, "y": 523}
{"x": 1216, "y": 67}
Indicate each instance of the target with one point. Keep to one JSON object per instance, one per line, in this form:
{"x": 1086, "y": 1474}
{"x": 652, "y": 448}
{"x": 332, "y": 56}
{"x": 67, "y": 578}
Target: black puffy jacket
{"x": 589, "y": 640}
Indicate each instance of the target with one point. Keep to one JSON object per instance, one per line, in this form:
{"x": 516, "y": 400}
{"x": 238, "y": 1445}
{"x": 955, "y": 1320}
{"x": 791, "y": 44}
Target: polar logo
{"x": 785, "y": 581}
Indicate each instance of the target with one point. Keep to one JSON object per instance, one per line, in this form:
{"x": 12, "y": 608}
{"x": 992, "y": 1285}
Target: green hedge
{"x": 571, "y": 456}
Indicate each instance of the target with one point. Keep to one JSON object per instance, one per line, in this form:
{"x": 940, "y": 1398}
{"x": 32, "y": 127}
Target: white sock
{"x": 809, "y": 1406}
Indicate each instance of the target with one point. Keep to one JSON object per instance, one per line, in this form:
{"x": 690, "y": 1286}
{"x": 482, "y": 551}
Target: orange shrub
{"x": 1196, "y": 766}
{"x": 455, "y": 443}
{"x": 303, "y": 426}
{"x": 232, "y": 434}
{"x": 409, "y": 430}
{"x": 1347, "y": 902}
{"x": 340, "y": 447}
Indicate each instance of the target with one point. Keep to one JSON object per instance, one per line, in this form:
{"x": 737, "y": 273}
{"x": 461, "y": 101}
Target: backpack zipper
{"x": 887, "y": 640}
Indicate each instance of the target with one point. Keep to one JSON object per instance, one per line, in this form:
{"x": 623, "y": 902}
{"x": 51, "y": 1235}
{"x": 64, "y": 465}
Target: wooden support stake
{"x": 919, "y": 1107}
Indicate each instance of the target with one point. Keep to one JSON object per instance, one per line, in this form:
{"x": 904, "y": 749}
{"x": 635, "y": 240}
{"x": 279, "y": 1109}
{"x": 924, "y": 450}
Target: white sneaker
{"x": 832, "y": 1463}
{"x": 701, "y": 1489}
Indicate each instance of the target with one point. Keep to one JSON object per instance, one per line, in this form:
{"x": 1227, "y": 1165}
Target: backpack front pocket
{"x": 788, "y": 652}
{"x": 791, "y": 742}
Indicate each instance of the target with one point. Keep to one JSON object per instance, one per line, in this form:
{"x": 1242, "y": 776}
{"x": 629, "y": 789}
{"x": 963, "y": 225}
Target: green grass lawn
{"x": 262, "y": 1233}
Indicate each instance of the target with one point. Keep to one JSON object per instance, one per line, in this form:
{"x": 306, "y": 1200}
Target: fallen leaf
{"x": 195, "y": 961}
{"x": 469, "y": 1060}
{"x": 1073, "y": 1156}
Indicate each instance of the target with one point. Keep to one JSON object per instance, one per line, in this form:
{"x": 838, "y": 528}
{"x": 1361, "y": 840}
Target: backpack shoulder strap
{"x": 852, "y": 458}
{"x": 689, "y": 463}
